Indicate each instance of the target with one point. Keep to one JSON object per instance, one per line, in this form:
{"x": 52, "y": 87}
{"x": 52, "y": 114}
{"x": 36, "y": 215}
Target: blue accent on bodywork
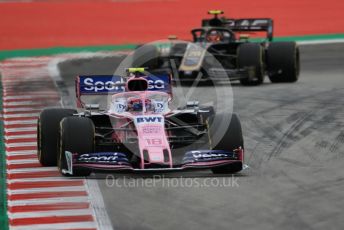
{"x": 103, "y": 157}
{"x": 100, "y": 84}
{"x": 208, "y": 155}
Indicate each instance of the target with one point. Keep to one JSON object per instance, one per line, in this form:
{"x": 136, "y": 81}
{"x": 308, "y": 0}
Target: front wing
{"x": 192, "y": 160}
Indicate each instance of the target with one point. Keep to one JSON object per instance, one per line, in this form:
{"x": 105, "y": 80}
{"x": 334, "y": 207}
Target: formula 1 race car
{"x": 138, "y": 131}
{"x": 222, "y": 40}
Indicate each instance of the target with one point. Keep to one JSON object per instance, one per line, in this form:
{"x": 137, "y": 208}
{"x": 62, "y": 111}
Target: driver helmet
{"x": 214, "y": 36}
{"x": 135, "y": 104}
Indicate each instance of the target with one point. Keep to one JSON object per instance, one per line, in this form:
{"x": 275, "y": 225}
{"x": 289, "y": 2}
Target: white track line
{"x": 20, "y": 109}
{"x": 69, "y": 212}
{"x": 22, "y": 152}
{"x": 22, "y": 144}
{"x": 34, "y": 121}
{"x": 29, "y": 170}
{"x": 33, "y": 97}
{"x": 54, "y": 200}
{"x": 20, "y": 129}
{"x": 46, "y": 179}
{"x": 49, "y": 189}
{"x": 20, "y": 136}
{"x": 73, "y": 225}
{"x": 321, "y": 41}
{"x": 18, "y": 133}
{"x": 33, "y": 93}
{"x": 13, "y": 162}
{"x": 23, "y": 103}
{"x": 19, "y": 115}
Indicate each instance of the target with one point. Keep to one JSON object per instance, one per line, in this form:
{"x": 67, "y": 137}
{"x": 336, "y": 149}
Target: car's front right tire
{"x": 47, "y": 134}
{"x": 77, "y": 135}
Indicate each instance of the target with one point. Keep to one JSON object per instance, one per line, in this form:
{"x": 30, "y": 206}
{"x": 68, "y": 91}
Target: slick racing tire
{"x": 47, "y": 134}
{"x": 231, "y": 140}
{"x": 176, "y": 55}
{"x": 178, "y": 50}
{"x": 251, "y": 56}
{"x": 77, "y": 135}
{"x": 283, "y": 60}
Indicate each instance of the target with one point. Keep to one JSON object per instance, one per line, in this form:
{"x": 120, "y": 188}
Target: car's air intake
{"x": 137, "y": 84}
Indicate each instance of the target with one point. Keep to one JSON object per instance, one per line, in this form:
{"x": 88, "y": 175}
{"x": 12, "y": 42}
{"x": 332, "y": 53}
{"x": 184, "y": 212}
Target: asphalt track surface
{"x": 294, "y": 141}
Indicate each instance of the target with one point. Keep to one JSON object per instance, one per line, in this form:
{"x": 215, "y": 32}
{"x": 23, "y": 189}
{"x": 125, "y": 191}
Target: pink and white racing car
{"x": 138, "y": 131}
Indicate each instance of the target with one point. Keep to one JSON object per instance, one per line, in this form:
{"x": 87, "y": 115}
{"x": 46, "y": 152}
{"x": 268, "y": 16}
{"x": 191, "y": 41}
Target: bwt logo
{"x": 101, "y": 86}
{"x": 149, "y": 119}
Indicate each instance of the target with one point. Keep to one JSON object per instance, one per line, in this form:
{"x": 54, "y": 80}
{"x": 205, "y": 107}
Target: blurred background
{"x": 50, "y": 23}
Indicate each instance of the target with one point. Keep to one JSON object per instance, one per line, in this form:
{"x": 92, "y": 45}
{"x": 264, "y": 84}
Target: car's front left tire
{"x": 283, "y": 59}
{"x": 231, "y": 139}
{"x": 251, "y": 56}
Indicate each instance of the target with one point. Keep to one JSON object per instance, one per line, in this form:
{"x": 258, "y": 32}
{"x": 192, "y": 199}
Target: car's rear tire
{"x": 77, "y": 135}
{"x": 251, "y": 55}
{"x": 47, "y": 134}
{"x": 231, "y": 140}
{"x": 283, "y": 60}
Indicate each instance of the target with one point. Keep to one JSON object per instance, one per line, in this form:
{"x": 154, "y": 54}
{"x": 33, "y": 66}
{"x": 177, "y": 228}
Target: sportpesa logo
{"x": 100, "y": 86}
{"x": 108, "y": 84}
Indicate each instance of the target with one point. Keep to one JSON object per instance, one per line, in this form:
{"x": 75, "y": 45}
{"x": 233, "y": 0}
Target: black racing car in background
{"x": 220, "y": 50}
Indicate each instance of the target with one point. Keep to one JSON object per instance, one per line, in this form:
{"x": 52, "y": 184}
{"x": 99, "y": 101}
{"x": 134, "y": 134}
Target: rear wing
{"x": 88, "y": 85}
{"x": 243, "y": 24}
